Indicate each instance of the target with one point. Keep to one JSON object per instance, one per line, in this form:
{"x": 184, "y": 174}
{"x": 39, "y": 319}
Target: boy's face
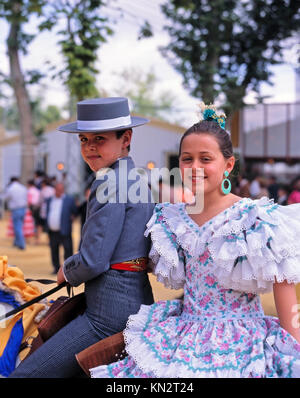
{"x": 103, "y": 149}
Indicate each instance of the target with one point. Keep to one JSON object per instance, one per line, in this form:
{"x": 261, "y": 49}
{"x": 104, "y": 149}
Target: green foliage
{"x": 223, "y": 48}
{"x": 33, "y": 76}
{"x": 141, "y": 88}
{"x": 10, "y": 117}
{"x": 4, "y": 81}
{"x": 42, "y": 117}
{"x": 18, "y": 12}
{"x": 145, "y": 31}
{"x": 83, "y": 32}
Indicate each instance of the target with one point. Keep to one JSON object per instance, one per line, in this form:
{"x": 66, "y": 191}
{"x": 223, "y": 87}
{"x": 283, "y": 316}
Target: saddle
{"x": 103, "y": 352}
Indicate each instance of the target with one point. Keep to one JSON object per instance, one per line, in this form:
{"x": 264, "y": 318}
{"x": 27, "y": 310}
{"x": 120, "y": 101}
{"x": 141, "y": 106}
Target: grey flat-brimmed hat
{"x": 103, "y": 114}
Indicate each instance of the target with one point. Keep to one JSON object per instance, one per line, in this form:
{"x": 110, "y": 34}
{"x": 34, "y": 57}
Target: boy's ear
{"x": 127, "y": 138}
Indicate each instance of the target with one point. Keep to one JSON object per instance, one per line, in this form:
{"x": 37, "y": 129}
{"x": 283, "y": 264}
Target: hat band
{"x": 107, "y": 124}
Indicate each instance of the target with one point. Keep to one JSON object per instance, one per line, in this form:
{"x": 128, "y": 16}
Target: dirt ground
{"x": 35, "y": 262}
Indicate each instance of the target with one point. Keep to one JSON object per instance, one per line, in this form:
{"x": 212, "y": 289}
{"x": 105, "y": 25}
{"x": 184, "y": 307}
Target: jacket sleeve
{"x": 100, "y": 236}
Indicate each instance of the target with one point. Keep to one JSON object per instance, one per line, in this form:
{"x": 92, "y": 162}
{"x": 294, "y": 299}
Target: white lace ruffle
{"x": 147, "y": 361}
{"x": 253, "y": 243}
{"x": 186, "y": 236}
{"x": 251, "y": 255}
{"x": 164, "y": 255}
{"x": 145, "y": 358}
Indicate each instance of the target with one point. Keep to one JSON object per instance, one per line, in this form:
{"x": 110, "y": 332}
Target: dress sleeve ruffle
{"x": 166, "y": 256}
{"x": 258, "y": 246}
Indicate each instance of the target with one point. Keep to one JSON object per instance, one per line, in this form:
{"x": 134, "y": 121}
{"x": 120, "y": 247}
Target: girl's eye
{"x": 98, "y": 138}
{"x": 82, "y": 139}
{"x": 186, "y": 159}
{"x": 206, "y": 159}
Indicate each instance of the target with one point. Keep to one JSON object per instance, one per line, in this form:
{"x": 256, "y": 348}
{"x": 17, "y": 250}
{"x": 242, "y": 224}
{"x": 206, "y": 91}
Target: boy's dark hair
{"x": 212, "y": 128}
{"x": 119, "y": 134}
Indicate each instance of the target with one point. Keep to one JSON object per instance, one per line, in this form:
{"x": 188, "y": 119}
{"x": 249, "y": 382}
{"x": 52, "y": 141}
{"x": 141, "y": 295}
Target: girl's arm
{"x": 287, "y": 307}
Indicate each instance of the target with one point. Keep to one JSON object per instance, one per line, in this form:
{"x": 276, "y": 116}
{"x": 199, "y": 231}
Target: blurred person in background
{"x": 33, "y": 199}
{"x": 16, "y": 197}
{"x": 283, "y": 193}
{"x": 47, "y": 191}
{"x": 263, "y": 183}
{"x": 254, "y": 188}
{"x": 294, "y": 196}
{"x": 53, "y": 180}
{"x": 243, "y": 186}
{"x": 61, "y": 210}
{"x": 273, "y": 188}
{"x": 38, "y": 178}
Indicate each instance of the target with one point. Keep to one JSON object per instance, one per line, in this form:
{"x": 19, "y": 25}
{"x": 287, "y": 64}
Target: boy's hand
{"x": 60, "y": 276}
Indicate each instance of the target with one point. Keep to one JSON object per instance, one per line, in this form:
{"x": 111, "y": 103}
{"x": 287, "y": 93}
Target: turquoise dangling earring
{"x": 228, "y": 189}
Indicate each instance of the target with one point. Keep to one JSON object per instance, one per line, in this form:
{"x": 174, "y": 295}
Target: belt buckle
{"x": 136, "y": 264}
{"x": 136, "y": 261}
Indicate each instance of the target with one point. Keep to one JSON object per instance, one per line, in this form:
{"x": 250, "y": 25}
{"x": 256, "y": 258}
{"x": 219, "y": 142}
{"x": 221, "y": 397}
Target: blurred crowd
{"x": 259, "y": 186}
{"x": 43, "y": 206}
{"x": 254, "y": 187}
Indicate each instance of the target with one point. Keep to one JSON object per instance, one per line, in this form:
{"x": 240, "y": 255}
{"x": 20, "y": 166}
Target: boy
{"x": 111, "y": 260}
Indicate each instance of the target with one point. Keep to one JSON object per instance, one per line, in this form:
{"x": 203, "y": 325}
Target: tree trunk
{"x": 27, "y": 138}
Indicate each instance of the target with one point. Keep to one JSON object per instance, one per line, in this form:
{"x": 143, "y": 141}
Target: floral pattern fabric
{"x": 219, "y": 328}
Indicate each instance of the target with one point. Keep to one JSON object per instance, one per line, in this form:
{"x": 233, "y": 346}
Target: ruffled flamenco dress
{"x": 219, "y": 329}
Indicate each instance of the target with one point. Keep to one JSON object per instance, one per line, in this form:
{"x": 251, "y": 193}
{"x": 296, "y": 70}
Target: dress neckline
{"x": 210, "y": 221}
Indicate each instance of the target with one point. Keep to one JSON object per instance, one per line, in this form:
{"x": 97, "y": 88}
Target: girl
{"x": 224, "y": 257}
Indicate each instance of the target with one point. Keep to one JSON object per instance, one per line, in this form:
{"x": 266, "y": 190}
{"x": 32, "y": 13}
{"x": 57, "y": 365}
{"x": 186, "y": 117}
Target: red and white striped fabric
{"x": 28, "y": 226}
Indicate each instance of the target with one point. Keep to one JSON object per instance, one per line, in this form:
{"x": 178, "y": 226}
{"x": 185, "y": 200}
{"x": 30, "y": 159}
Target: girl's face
{"x": 103, "y": 149}
{"x": 202, "y": 151}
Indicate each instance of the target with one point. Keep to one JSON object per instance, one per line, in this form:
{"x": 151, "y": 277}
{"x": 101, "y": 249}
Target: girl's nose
{"x": 196, "y": 165}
